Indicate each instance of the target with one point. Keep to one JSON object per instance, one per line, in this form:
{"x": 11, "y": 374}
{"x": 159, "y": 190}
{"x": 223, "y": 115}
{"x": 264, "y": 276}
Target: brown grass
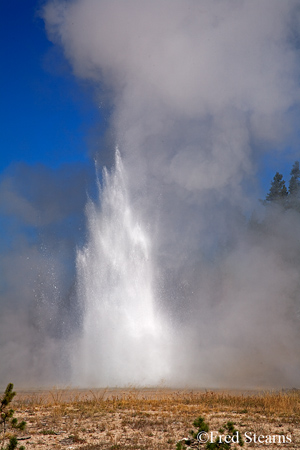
{"x": 150, "y": 419}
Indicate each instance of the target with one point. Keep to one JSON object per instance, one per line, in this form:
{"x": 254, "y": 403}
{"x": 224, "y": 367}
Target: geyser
{"x": 184, "y": 276}
{"x": 123, "y": 340}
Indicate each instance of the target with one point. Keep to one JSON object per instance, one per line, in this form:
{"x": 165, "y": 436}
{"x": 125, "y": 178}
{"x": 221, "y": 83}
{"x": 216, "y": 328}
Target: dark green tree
{"x": 294, "y": 186}
{"x": 278, "y": 191}
{"x": 7, "y": 419}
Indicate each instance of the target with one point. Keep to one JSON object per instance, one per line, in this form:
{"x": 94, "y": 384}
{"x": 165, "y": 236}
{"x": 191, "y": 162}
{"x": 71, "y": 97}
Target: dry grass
{"x": 150, "y": 419}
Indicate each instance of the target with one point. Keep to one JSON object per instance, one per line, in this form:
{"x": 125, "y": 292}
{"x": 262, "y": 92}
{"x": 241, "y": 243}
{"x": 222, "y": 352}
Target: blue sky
{"x": 47, "y": 126}
{"x": 45, "y": 114}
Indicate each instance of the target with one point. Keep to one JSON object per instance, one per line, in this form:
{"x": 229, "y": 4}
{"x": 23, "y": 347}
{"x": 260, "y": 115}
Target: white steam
{"x": 197, "y": 87}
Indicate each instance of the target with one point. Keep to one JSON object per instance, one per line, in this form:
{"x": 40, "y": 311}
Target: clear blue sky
{"x": 45, "y": 114}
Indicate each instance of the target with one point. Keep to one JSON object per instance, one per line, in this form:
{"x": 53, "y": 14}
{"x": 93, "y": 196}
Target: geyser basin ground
{"x": 150, "y": 419}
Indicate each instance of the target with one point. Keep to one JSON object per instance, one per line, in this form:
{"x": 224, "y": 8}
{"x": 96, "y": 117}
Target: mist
{"x": 200, "y": 93}
{"x": 42, "y": 222}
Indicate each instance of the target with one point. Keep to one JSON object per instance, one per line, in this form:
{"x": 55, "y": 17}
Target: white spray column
{"x": 123, "y": 341}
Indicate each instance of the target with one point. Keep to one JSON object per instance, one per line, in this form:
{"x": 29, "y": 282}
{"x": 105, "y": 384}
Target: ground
{"x": 153, "y": 419}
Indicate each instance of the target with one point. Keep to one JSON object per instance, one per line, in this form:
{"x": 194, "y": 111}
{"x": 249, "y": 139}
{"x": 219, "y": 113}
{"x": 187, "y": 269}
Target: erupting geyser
{"x": 122, "y": 341}
{"x": 185, "y": 276}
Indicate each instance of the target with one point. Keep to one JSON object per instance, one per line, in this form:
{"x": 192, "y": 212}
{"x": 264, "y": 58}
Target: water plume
{"x": 123, "y": 341}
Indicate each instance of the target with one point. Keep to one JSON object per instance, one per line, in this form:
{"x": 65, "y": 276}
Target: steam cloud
{"x": 200, "y": 91}
{"x": 42, "y": 212}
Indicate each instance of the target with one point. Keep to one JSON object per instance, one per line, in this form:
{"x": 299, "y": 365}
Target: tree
{"x": 278, "y": 190}
{"x": 294, "y": 186}
{"x": 7, "y": 419}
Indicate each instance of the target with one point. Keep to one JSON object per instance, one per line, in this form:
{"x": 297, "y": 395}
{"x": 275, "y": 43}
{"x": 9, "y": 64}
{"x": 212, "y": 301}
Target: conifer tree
{"x": 278, "y": 190}
{"x": 7, "y": 420}
{"x": 294, "y": 185}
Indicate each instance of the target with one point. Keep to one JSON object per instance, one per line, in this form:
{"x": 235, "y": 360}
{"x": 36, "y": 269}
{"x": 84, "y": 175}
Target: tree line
{"x": 280, "y": 194}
